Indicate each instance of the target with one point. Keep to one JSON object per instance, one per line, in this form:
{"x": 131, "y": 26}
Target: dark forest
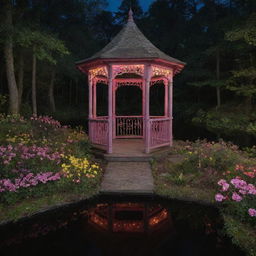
{"x": 214, "y": 96}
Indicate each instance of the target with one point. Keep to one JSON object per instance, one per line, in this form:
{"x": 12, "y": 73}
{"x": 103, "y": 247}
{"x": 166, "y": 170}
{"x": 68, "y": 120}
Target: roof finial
{"x": 130, "y": 17}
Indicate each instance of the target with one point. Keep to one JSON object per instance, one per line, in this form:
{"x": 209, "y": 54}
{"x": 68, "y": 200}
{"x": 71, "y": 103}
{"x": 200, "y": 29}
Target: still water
{"x": 122, "y": 226}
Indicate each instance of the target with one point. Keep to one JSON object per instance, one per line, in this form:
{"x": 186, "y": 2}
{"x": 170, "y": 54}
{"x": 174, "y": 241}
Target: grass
{"x": 175, "y": 186}
{"x": 241, "y": 234}
{"x": 31, "y": 206}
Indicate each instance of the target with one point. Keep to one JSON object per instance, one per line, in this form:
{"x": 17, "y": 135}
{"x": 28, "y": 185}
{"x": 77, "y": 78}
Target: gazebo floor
{"x": 129, "y": 147}
{"x": 130, "y": 150}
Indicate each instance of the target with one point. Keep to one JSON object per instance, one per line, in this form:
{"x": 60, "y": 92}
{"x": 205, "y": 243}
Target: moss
{"x": 241, "y": 234}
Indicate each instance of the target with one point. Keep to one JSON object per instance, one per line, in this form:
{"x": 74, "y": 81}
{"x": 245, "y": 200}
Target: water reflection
{"x": 129, "y": 217}
{"x": 127, "y": 228}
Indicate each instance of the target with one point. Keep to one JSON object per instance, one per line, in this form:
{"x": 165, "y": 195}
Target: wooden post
{"x": 90, "y": 96}
{"x": 114, "y": 109}
{"x": 110, "y": 110}
{"x": 94, "y": 109}
{"x": 143, "y": 111}
{"x": 166, "y": 99}
{"x": 147, "y": 77}
{"x": 90, "y": 106}
{"x": 170, "y": 100}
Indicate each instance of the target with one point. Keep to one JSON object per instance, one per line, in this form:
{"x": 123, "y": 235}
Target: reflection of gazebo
{"x": 129, "y": 217}
{"x": 130, "y": 60}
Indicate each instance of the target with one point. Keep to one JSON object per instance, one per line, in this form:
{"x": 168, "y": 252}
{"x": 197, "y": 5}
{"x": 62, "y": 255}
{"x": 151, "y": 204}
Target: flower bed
{"x": 213, "y": 172}
{"x": 39, "y": 158}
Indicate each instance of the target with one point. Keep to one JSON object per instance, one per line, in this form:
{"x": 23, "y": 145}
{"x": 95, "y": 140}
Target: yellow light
{"x": 158, "y": 218}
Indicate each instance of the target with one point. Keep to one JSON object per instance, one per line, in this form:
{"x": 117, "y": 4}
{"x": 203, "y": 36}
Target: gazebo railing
{"x": 160, "y": 129}
{"x": 129, "y": 126}
{"x": 98, "y": 131}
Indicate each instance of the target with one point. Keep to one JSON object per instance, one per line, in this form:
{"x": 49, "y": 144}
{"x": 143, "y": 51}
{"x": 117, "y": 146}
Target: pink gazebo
{"x": 130, "y": 59}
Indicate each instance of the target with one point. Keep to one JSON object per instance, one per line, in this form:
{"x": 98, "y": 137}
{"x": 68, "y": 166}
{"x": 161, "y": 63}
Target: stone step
{"x": 127, "y": 158}
{"x": 127, "y": 178}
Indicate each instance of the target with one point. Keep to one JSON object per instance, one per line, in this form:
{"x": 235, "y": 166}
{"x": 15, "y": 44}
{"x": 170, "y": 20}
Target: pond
{"x": 120, "y": 226}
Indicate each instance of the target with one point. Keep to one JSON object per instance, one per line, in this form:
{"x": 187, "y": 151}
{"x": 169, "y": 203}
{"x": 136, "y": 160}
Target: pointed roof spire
{"x": 130, "y": 43}
{"x": 130, "y": 16}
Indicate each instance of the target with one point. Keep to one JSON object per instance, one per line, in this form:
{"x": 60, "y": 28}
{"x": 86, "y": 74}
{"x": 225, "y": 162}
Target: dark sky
{"x": 114, "y": 4}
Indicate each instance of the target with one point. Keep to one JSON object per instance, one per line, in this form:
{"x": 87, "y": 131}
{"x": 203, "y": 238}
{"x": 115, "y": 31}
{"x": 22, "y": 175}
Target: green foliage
{"x": 250, "y": 151}
{"x": 212, "y": 83}
{"x": 3, "y": 100}
{"x": 242, "y": 235}
{"x": 247, "y": 32}
{"x": 45, "y": 46}
{"x": 203, "y": 163}
{"x": 242, "y": 82}
{"x": 227, "y": 121}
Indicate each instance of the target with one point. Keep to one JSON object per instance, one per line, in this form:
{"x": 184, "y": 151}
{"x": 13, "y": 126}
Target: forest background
{"x": 214, "y": 97}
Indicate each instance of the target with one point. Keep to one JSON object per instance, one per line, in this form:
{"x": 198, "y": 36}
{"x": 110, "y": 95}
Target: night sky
{"x": 114, "y": 4}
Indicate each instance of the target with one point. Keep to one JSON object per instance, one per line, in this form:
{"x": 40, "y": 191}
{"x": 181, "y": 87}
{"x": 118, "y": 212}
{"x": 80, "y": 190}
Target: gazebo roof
{"x": 130, "y": 43}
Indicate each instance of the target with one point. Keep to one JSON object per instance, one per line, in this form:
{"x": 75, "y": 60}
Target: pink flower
{"x": 243, "y": 192}
{"x": 236, "y": 197}
{"x": 221, "y": 182}
{"x": 252, "y": 212}
{"x": 238, "y": 183}
{"x": 225, "y": 187}
{"x": 219, "y": 197}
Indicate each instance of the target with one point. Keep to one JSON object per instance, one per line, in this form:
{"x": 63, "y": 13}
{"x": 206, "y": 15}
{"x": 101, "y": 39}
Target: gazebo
{"x": 130, "y": 59}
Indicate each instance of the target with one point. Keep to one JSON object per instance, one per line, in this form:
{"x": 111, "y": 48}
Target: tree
{"x": 122, "y": 13}
{"x": 44, "y": 47}
{"x": 243, "y": 80}
{"x": 9, "y": 58}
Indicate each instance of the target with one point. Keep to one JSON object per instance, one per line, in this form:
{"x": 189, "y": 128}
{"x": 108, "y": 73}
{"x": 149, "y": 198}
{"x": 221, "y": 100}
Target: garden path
{"x": 128, "y": 170}
{"x": 128, "y": 178}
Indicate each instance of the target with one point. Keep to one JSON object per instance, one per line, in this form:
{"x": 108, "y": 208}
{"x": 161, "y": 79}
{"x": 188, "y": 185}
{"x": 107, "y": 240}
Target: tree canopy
{"x": 216, "y": 38}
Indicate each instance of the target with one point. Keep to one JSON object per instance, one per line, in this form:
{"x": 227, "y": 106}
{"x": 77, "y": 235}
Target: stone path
{"x": 128, "y": 178}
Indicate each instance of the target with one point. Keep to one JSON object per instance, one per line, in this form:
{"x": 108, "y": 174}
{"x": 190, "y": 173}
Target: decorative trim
{"x": 124, "y": 69}
{"x": 100, "y": 80}
{"x": 129, "y": 83}
{"x": 161, "y": 71}
{"x": 99, "y": 71}
{"x": 159, "y": 81}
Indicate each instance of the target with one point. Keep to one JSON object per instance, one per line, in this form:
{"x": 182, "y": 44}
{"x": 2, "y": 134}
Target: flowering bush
{"x": 78, "y": 168}
{"x": 216, "y": 155}
{"x": 42, "y": 157}
{"x": 238, "y": 191}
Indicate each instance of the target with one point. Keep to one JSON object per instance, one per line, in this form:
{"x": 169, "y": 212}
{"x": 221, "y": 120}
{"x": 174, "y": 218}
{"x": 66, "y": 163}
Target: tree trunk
{"x": 2, "y": 79}
{"x": 248, "y": 104}
{"x": 218, "y": 78}
{"x": 8, "y": 53}
{"x": 218, "y": 97}
{"x": 51, "y": 92}
{"x": 70, "y": 93}
{"x": 77, "y": 93}
{"x": 20, "y": 77}
{"x": 34, "y": 105}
